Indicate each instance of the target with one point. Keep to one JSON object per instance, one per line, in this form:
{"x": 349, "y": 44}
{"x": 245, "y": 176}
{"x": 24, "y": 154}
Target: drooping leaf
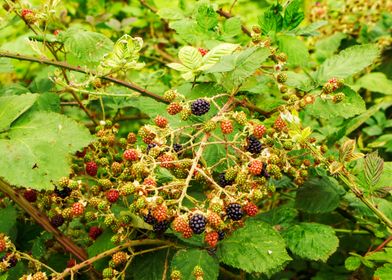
{"x": 232, "y": 27}
{"x": 215, "y": 54}
{"x": 186, "y": 260}
{"x": 318, "y": 195}
{"x": 347, "y": 62}
{"x": 12, "y": 107}
{"x": 373, "y": 167}
{"x": 256, "y": 247}
{"x": 311, "y": 241}
{"x": 150, "y": 266}
{"x": 38, "y": 149}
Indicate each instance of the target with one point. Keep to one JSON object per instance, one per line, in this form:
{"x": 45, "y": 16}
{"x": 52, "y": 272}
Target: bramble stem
{"x": 42, "y": 220}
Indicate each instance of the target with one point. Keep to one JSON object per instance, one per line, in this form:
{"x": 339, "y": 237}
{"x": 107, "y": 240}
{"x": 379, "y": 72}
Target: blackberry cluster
{"x": 222, "y": 181}
{"x": 177, "y": 147}
{"x": 254, "y": 145}
{"x": 64, "y": 193}
{"x": 234, "y": 211}
{"x": 57, "y": 220}
{"x": 159, "y": 227}
{"x": 200, "y": 107}
{"x": 198, "y": 223}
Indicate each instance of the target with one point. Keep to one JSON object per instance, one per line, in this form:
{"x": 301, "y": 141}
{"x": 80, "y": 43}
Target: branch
{"x": 42, "y": 220}
{"x": 228, "y": 15}
{"x": 64, "y": 65}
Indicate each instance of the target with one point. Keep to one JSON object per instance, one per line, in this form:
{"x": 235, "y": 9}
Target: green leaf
{"x": 206, "y": 17}
{"x": 311, "y": 29}
{"x": 326, "y": 47}
{"x": 12, "y": 107}
{"x": 256, "y": 247}
{"x": 215, "y": 54}
{"x": 293, "y": 15}
{"x": 318, "y": 195}
{"x": 232, "y": 27}
{"x": 347, "y": 62}
{"x": 8, "y": 219}
{"x": 373, "y": 167}
{"x": 296, "y": 50}
{"x": 6, "y": 65}
{"x": 4, "y": 276}
{"x": 150, "y": 266}
{"x": 282, "y": 216}
{"x": 38, "y": 148}
{"x": 47, "y": 102}
{"x": 311, "y": 241}
{"x": 271, "y": 20}
{"x": 299, "y": 80}
{"x": 85, "y": 47}
{"x": 352, "y": 263}
{"x": 186, "y": 260}
{"x": 376, "y": 82}
{"x": 384, "y": 272}
{"x": 190, "y": 57}
{"x": 352, "y": 105}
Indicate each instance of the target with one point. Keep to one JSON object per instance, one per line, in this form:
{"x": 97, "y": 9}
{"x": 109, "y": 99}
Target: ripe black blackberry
{"x": 161, "y": 227}
{"x": 234, "y": 211}
{"x": 254, "y": 145}
{"x": 177, "y": 147}
{"x": 63, "y": 193}
{"x": 200, "y": 107}
{"x": 222, "y": 180}
{"x": 197, "y": 223}
{"x": 149, "y": 219}
{"x": 150, "y": 146}
{"x": 264, "y": 172}
{"x": 221, "y": 234}
{"x": 30, "y": 195}
{"x": 57, "y": 220}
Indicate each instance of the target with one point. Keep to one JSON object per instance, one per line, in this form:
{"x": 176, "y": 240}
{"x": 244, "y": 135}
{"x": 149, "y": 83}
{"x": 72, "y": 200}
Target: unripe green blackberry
{"x": 127, "y": 189}
{"x": 115, "y": 239}
{"x": 170, "y": 95}
{"x": 116, "y": 168}
{"x": 140, "y": 203}
{"x": 273, "y": 169}
{"x": 175, "y": 275}
{"x": 73, "y": 184}
{"x": 282, "y": 57}
{"x": 324, "y": 148}
{"x": 109, "y": 220}
{"x": 216, "y": 207}
{"x": 63, "y": 182}
{"x": 91, "y": 216}
{"x": 240, "y": 117}
{"x": 339, "y": 97}
{"x": 118, "y": 157}
{"x": 155, "y": 151}
{"x": 299, "y": 181}
{"x": 292, "y": 171}
{"x": 328, "y": 88}
{"x": 105, "y": 183}
{"x": 288, "y": 145}
{"x": 282, "y": 88}
{"x": 185, "y": 114}
{"x": 122, "y": 142}
{"x": 241, "y": 178}
{"x": 257, "y": 195}
{"x": 103, "y": 205}
{"x": 94, "y": 201}
{"x": 104, "y": 161}
{"x": 274, "y": 159}
{"x": 112, "y": 264}
{"x": 293, "y": 98}
{"x": 302, "y": 103}
{"x": 180, "y": 173}
{"x": 303, "y": 173}
{"x": 231, "y": 173}
{"x": 108, "y": 272}
{"x": 281, "y": 77}
{"x": 67, "y": 213}
{"x": 198, "y": 271}
{"x": 209, "y": 126}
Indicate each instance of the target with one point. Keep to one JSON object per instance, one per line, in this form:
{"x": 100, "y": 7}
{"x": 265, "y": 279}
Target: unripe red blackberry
{"x": 30, "y": 195}
{"x": 211, "y": 238}
{"x": 77, "y": 209}
{"x": 166, "y": 161}
{"x": 226, "y": 126}
{"x": 255, "y": 167}
{"x": 179, "y": 224}
{"x": 160, "y": 121}
{"x": 112, "y": 195}
{"x": 131, "y": 138}
{"x": 200, "y": 107}
{"x": 119, "y": 258}
{"x": 279, "y": 124}
{"x": 116, "y": 168}
{"x": 251, "y": 209}
{"x": 214, "y": 219}
{"x": 160, "y": 213}
{"x": 3, "y": 244}
{"x": 234, "y": 211}
{"x": 197, "y": 223}
{"x": 71, "y": 263}
{"x": 28, "y": 16}
{"x": 91, "y": 168}
{"x": 131, "y": 154}
{"x": 259, "y": 130}
{"x": 174, "y": 108}
{"x": 202, "y": 51}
